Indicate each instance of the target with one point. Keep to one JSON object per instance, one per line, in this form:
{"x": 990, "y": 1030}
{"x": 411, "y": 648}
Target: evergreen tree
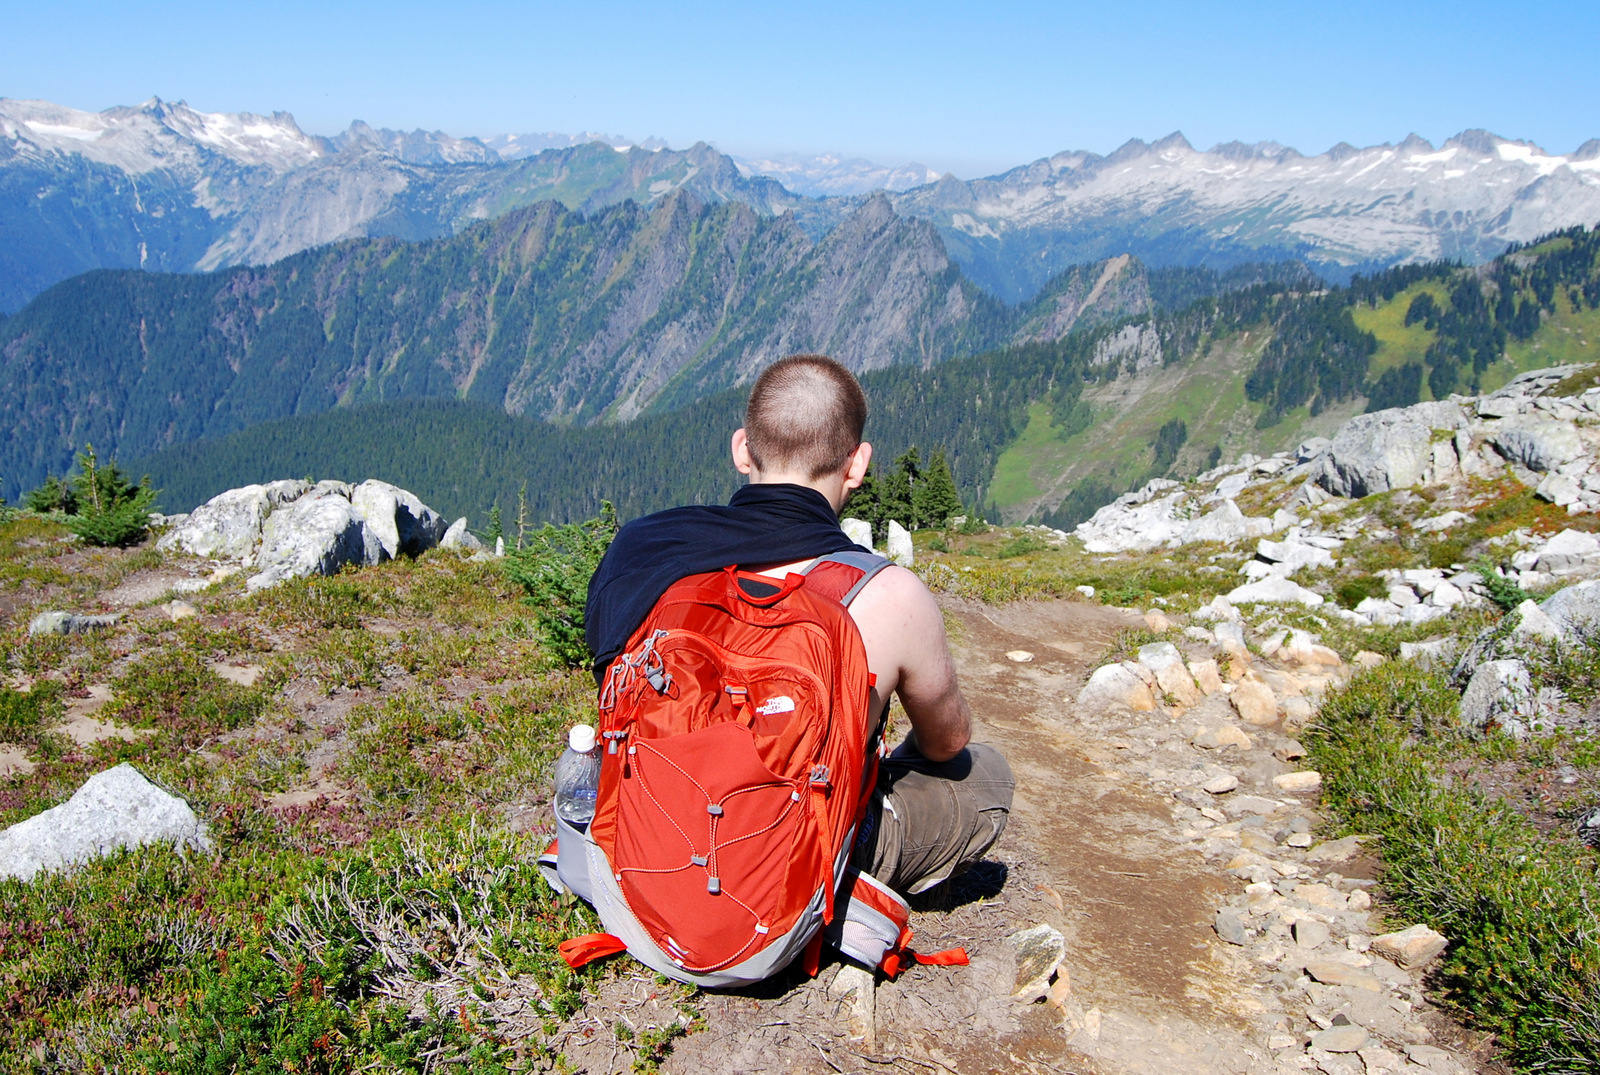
{"x": 895, "y": 491}
{"x": 935, "y": 498}
{"x": 54, "y": 495}
{"x": 111, "y": 509}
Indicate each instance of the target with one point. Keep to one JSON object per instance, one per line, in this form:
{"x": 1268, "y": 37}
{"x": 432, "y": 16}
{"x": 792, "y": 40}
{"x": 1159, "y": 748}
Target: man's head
{"x": 804, "y": 424}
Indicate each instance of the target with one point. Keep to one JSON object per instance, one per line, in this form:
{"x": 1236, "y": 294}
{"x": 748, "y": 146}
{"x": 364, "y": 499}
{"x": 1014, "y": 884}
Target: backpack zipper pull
{"x": 614, "y": 740}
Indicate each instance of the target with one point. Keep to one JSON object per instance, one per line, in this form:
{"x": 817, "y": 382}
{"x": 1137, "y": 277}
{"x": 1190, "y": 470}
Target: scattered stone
{"x": 66, "y": 623}
{"x": 1118, "y": 685}
{"x": 1340, "y": 1039}
{"x": 1309, "y": 933}
{"x": 1436, "y": 652}
{"x": 115, "y": 808}
{"x": 1500, "y": 693}
{"x": 1250, "y": 804}
{"x": 1321, "y": 896}
{"x": 1021, "y": 656}
{"x": 1412, "y": 947}
{"x": 1087, "y": 591}
{"x": 1276, "y": 1042}
{"x": 1220, "y": 785}
{"x": 180, "y": 610}
{"x": 245, "y": 675}
{"x": 1253, "y": 700}
{"x": 1039, "y": 948}
{"x": 1299, "y": 839}
{"x": 1171, "y": 674}
{"x": 1332, "y": 972}
{"x": 1431, "y": 1056}
{"x": 1289, "y": 750}
{"x": 898, "y": 545}
{"x": 1305, "y": 780}
{"x": 459, "y": 537}
{"x": 1335, "y": 851}
{"x": 1206, "y": 676}
{"x": 1221, "y": 736}
{"x": 1274, "y": 590}
{"x": 1230, "y": 929}
{"x": 1359, "y": 900}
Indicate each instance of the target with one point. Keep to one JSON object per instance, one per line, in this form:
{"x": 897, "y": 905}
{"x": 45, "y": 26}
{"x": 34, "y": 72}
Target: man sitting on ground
{"x": 941, "y": 800}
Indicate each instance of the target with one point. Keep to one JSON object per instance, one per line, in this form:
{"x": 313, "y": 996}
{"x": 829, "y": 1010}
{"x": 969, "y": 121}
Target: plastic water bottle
{"x": 577, "y": 778}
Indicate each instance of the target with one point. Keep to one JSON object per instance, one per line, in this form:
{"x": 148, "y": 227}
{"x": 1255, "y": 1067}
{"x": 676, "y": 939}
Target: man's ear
{"x": 855, "y": 471}
{"x": 742, "y": 460}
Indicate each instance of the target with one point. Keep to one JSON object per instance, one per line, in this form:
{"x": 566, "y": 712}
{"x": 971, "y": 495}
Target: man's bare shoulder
{"x": 893, "y": 596}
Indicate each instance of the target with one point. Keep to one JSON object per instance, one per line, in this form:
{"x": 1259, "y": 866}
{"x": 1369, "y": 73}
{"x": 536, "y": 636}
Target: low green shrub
{"x": 1021, "y": 545}
{"x": 553, "y": 567}
{"x": 25, "y": 714}
{"x": 1517, "y": 904}
{"x": 175, "y": 691}
{"x": 1351, "y": 592}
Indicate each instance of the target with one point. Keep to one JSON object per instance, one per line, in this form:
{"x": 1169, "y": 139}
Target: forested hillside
{"x": 1039, "y": 430}
{"x": 545, "y": 312}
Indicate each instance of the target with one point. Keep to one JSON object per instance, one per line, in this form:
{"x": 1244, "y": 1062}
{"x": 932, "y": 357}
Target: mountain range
{"x": 165, "y": 186}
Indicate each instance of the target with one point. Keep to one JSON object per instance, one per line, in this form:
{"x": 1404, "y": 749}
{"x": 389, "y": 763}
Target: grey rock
{"x": 459, "y": 537}
{"x": 1434, "y": 652}
{"x": 67, "y": 623}
{"x": 898, "y": 545}
{"x": 401, "y": 522}
{"x": 1340, "y": 1039}
{"x": 1374, "y": 453}
{"x": 1500, "y": 693}
{"x": 1039, "y": 949}
{"x": 858, "y": 531}
{"x": 1538, "y": 444}
{"x": 228, "y": 526}
{"x": 1230, "y": 929}
{"x": 1274, "y": 590}
{"x": 316, "y": 535}
{"x": 1309, "y": 933}
{"x": 1568, "y": 551}
{"x": 1226, "y": 524}
{"x": 115, "y": 808}
{"x": 1576, "y": 610}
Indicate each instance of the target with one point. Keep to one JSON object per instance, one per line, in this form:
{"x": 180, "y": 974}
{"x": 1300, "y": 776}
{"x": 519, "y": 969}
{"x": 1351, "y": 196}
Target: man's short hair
{"x": 805, "y": 415}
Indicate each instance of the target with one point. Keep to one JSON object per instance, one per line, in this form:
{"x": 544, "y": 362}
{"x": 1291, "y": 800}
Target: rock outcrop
{"x": 291, "y": 529}
{"x": 113, "y": 809}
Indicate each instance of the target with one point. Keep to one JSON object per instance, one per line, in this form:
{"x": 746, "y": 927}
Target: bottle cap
{"x": 581, "y": 738}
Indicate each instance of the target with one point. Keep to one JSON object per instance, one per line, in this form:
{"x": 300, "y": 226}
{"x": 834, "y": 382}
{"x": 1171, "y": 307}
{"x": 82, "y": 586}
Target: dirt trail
{"x": 1096, "y": 849}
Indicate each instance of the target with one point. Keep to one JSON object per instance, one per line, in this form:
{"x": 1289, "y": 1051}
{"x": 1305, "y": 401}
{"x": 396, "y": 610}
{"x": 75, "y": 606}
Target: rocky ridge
{"x": 1547, "y": 442}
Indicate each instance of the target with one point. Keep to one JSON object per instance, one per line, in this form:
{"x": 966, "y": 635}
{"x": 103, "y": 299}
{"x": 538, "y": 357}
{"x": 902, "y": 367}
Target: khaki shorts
{"x": 930, "y": 821}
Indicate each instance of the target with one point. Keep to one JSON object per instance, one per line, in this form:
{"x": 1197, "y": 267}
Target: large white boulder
{"x": 1274, "y": 591}
{"x": 113, "y": 809}
{"x": 316, "y": 535}
{"x": 401, "y": 522}
{"x": 1139, "y": 521}
{"x": 459, "y": 537}
{"x": 1374, "y": 453}
{"x": 1537, "y": 443}
{"x": 228, "y": 526}
{"x": 1226, "y": 524}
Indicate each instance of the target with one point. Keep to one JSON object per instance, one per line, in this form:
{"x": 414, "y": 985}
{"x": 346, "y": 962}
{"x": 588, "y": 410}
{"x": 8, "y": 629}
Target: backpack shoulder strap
{"x": 840, "y": 576}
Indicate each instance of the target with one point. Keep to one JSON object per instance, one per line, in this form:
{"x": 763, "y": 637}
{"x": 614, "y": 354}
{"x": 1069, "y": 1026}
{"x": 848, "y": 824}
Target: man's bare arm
{"x": 904, "y": 632}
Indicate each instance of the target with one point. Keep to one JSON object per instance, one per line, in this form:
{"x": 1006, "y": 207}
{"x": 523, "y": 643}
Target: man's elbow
{"x": 944, "y": 744}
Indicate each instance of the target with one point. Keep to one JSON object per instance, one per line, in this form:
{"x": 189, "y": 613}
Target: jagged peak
{"x": 1175, "y": 140}
{"x": 1475, "y": 139}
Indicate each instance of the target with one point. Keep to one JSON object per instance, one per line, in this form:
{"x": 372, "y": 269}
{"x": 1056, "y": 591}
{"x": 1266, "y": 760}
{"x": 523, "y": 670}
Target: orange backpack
{"x": 736, "y": 772}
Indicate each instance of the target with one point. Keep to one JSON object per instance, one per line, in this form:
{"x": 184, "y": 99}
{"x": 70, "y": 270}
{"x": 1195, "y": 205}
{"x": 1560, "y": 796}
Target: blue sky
{"x": 971, "y": 88}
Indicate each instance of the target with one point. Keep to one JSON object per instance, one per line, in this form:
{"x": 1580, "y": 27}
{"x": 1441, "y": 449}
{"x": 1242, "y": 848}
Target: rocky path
{"x": 1204, "y": 928}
